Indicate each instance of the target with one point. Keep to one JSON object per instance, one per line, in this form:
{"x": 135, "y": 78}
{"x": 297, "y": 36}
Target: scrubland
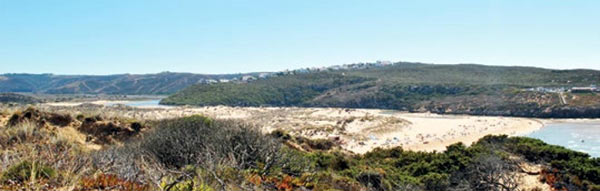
{"x": 56, "y": 149}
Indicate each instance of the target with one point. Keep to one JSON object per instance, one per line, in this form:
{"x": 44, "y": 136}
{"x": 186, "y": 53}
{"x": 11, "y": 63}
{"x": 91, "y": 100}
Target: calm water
{"x": 141, "y": 103}
{"x": 584, "y": 137}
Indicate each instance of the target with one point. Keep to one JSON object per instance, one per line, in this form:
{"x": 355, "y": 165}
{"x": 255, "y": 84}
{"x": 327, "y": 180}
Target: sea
{"x": 579, "y": 136}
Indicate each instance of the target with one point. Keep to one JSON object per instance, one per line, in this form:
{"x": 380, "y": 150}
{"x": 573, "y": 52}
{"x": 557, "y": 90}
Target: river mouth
{"x": 579, "y": 136}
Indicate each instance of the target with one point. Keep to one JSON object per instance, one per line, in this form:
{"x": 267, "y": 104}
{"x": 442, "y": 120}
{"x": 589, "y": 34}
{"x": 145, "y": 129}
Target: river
{"x": 139, "y": 103}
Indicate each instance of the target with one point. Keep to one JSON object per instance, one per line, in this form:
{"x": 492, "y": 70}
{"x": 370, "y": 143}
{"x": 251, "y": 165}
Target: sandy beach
{"x": 356, "y": 130}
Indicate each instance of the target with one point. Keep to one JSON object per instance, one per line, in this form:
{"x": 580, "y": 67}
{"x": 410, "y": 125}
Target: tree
{"x": 490, "y": 172}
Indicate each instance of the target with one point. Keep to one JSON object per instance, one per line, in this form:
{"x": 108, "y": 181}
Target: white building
{"x": 248, "y": 78}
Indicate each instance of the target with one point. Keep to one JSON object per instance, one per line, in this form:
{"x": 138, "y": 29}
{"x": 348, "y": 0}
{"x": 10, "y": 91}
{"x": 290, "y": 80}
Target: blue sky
{"x": 225, "y": 36}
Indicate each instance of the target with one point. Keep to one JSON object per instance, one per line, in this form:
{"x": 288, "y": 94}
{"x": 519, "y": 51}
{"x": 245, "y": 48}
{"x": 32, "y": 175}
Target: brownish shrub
{"x": 110, "y": 182}
{"x": 60, "y": 119}
{"x": 105, "y": 132}
{"x": 40, "y": 117}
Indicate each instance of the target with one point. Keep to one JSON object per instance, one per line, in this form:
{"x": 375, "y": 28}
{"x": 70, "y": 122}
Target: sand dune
{"x": 357, "y": 130}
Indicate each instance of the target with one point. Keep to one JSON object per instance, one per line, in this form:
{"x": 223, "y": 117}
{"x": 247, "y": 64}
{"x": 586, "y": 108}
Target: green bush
{"x": 25, "y": 171}
{"x": 186, "y": 185}
{"x": 435, "y": 181}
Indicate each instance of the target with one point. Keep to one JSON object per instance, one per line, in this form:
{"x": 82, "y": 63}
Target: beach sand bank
{"x": 356, "y": 130}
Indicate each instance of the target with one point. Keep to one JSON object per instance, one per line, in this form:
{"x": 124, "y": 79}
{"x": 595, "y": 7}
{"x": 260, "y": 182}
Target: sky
{"x": 233, "y": 36}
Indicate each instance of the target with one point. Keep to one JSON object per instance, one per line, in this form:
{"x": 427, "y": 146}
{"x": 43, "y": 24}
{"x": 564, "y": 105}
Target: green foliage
{"x": 25, "y": 171}
{"x": 17, "y": 98}
{"x": 324, "y": 180}
{"x": 294, "y": 162}
{"x": 185, "y": 185}
{"x": 393, "y": 169}
{"x": 336, "y": 161}
{"x": 276, "y": 91}
{"x": 109, "y": 182}
{"x": 435, "y": 181}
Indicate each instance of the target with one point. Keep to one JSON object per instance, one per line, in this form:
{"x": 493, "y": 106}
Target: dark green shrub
{"x": 281, "y": 134}
{"x": 372, "y": 180}
{"x": 294, "y": 162}
{"x": 435, "y": 181}
{"x": 320, "y": 144}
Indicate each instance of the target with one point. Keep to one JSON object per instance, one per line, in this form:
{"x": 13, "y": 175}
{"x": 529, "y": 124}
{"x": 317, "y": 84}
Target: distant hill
{"x": 17, "y": 98}
{"x": 463, "y": 88}
{"x": 161, "y": 83}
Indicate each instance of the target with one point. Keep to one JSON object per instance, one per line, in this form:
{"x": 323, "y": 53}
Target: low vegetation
{"x": 17, "y": 98}
{"x": 199, "y": 153}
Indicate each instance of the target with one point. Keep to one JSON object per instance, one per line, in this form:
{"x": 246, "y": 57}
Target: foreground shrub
{"x": 41, "y": 117}
{"x": 221, "y": 150}
{"x": 317, "y": 144}
{"x": 27, "y": 132}
{"x": 27, "y": 171}
{"x": 373, "y": 180}
{"x": 199, "y": 140}
{"x": 190, "y": 182}
{"x": 110, "y": 182}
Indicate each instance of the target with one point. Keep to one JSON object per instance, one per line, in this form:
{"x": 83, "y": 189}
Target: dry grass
{"x": 583, "y": 99}
{"x": 28, "y": 141}
{"x": 64, "y": 149}
{"x": 82, "y": 165}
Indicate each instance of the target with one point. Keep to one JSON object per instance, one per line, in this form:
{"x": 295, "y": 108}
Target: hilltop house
{"x": 208, "y": 81}
{"x": 248, "y": 78}
{"x": 264, "y": 75}
{"x": 583, "y": 89}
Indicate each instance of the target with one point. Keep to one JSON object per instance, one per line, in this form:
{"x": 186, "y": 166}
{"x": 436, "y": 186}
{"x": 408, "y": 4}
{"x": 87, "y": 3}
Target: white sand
{"x": 358, "y": 130}
{"x": 432, "y": 132}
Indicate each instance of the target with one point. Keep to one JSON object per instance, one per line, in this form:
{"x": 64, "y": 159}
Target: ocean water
{"x": 579, "y": 136}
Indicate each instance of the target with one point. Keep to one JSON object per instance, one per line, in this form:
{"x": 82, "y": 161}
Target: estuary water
{"x": 138, "y": 103}
{"x": 579, "y": 136}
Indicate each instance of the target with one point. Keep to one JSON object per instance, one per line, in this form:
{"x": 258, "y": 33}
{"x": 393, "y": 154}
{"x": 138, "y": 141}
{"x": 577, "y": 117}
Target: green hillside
{"x": 465, "y": 88}
{"x": 161, "y": 83}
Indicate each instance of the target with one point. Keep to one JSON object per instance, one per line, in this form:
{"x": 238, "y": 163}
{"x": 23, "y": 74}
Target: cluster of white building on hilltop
{"x": 591, "y": 88}
{"x": 354, "y": 66}
{"x": 244, "y": 78}
{"x": 249, "y": 78}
